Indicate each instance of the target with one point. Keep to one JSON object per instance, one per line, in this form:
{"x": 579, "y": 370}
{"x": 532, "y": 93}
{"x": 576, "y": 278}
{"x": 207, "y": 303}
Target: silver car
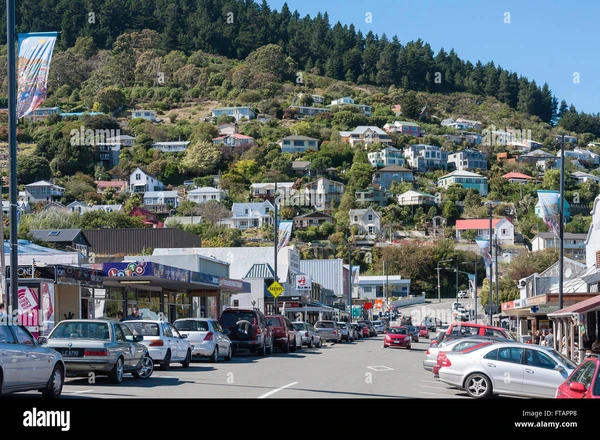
{"x": 206, "y": 337}
{"x": 27, "y": 366}
{"x": 514, "y": 369}
{"x": 329, "y": 331}
{"x": 104, "y": 347}
{"x": 310, "y": 336}
{"x": 347, "y": 331}
{"x": 454, "y": 344}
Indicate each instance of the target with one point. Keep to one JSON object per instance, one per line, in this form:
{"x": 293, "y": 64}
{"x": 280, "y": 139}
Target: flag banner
{"x": 550, "y": 210}
{"x": 33, "y": 65}
{"x": 484, "y": 245}
{"x": 284, "y": 233}
{"x": 355, "y": 274}
{"x": 472, "y": 281}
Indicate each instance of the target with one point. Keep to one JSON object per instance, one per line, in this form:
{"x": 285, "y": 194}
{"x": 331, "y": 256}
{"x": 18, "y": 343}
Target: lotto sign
{"x": 275, "y": 289}
{"x": 378, "y": 303}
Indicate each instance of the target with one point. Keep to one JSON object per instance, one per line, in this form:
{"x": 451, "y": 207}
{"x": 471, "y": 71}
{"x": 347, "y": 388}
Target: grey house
{"x": 43, "y": 191}
{"x": 64, "y": 238}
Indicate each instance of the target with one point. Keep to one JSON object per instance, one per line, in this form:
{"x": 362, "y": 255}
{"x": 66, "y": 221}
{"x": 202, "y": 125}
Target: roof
{"x": 107, "y": 208}
{"x": 566, "y": 235}
{"x": 161, "y": 193}
{"x": 300, "y": 164}
{"x": 43, "y": 183}
{"x": 233, "y": 135}
{"x": 362, "y": 128}
{"x": 361, "y": 212}
{"x": 412, "y": 192}
{"x": 515, "y": 175}
{"x": 394, "y": 169}
{"x": 587, "y": 305}
{"x": 28, "y": 247}
{"x": 299, "y": 138}
{"x": 314, "y": 214}
{"x": 477, "y": 223}
{"x": 159, "y": 144}
{"x": 459, "y": 173}
{"x": 408, "y": 124}
{"x": 205, "y": 189}
{"x": 55, "y": 235}
{"x": 110, "y": 183}
{"x": 145, "y": 172}
{"x": 263, "y": 270}
{"x": 269, "y": 185}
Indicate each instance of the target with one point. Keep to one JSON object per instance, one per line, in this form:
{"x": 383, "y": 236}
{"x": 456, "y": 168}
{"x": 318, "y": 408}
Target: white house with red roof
{"x": 515, "y": 177}
{"x": 503, "y": 229}
{"x": 234, "y": 140}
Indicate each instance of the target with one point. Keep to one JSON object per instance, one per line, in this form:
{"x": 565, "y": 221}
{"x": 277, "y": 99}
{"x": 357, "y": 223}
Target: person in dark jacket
{"x": 134, "y": 315}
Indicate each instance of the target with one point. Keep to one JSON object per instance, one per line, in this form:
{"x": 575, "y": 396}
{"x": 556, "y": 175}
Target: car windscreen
{"x": 398, "y": 331}
{"x": 142, "y": 328}
{"x": 568, "y": 362}
{"x": 230, "y": 319}
{"x": 81, "y": 330}
{"x": 191, "y": 326}
{"x": 299, "y": 326}
{"x": 322, "y": 324}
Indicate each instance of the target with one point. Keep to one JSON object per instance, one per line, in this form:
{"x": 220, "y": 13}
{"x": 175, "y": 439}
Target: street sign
{"x": 275, "y": 289}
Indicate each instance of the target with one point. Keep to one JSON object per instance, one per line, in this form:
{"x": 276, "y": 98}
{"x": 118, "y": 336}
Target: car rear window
{"x": 143, "y": 328}
{"x": 83, "y": 330}
{"x": 275, "y": 322}
{"x": 321, "y": 324}
{"x": 299, "y": 325}
{"x": 191, "y": 326}
{"x": 230, "y": 319}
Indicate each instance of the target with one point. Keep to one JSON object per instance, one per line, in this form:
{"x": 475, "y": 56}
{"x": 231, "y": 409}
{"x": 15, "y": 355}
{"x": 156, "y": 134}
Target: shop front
{"x": 160, "y": 291}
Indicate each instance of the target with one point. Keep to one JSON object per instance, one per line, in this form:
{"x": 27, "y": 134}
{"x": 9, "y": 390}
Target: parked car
{"x": 584, "y": 381}
{"x": 414, "y": 332}
{"x": 379, "y": 326}
{"x": 454, "y": 343}
{"x": 329, "y": 331}
{"x": 364, "y": 328}
{"x": 470, "y": 329}
{"x": 247, "y": 328}
{"x": 533, "y": 370}
{"x": 346, "y": 330}
{"x": 372, "y": 330}
{"x": 463, "y": 294}
{"x": 310, "y": 335}
{"x": 397, "y": 336}
{"x": 358, "y": 334}
{"x": 104, "y": 347}
{"x": 423, "y": 331}
{"x": 441, "y": 356}
{"x": 460, "y": 314}
{"x": 206, "y": 337}
{"x": 165, "y": 343}
{"x": 432, "y": 323}
{"x": 25, "y": 365}
{"x": 284, "y": 335}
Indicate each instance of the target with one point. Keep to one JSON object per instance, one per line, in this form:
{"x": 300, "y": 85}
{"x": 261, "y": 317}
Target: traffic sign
{"x": 275, "y": 289}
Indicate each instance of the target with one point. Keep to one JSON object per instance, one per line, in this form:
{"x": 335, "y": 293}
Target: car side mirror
{"x": 138, "y": 338}
{"x": 42, "y": 340}
{"x": 578, "y": 387}
{"x": 184, "y": 336}
{"x": 559, "y": 368}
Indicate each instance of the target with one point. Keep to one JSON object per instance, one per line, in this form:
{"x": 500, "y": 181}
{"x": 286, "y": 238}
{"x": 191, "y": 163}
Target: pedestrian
{"x": 537, "y": 337}
{"x": 120, "y": 315}
{"x": 550, "y": 339}
{"x": 134, "y": 315}
{"x": 543, "y": 337}
{"x": 596, "y": 346}
{"x": 2, "y": 311}
{"x": 587, "y": 342}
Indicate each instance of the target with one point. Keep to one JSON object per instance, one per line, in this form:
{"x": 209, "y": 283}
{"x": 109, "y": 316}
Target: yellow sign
{"x": 275, "y": 289}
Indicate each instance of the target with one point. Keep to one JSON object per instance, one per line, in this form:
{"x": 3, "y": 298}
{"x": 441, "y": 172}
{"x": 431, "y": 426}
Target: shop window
{"x": 236, "y": 303}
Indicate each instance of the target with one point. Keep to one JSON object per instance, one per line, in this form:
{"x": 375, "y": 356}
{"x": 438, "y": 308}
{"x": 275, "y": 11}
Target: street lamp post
{"x": 457, "y": 282}
{"x": 438, "y": 276}
{"x": 561, "y": 217}
{"x": 475, "y": 306}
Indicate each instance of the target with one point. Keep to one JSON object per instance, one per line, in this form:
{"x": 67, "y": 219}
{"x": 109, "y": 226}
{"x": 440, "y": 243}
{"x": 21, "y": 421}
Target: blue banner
{"x": 33, "y": 65}
{"x": 549, "y": 210}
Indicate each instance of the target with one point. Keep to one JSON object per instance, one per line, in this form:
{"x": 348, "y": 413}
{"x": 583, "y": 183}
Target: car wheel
{"x": 214, "y": 357}
{"x": 270, "y": 347}
{"x": 293, "y": 347}
{"x": 310, "y": 343}
{"x": 385, "y": 346}
{"x": 478, "y": 386}
{"x": 55, "y": 384}
{"x": 116, "y": 374}
{"x": 409, "y": 347}
{"x": 286, "y": 347}
{"x": 146, "y": 368}
{"x": 229, "y": 354}
{"x": 166, "y": 363}
{"x": 263, "y": 350}
{"x": 187, "y": 360}
{"x": 299, "y": 346}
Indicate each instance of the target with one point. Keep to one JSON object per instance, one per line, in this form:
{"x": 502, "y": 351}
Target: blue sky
{"x": 546, "y": 40}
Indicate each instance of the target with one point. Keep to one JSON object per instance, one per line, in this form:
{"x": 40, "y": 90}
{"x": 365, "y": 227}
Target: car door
{"x": 541, "y": 376}
{"x": 504, "y": 366}
{"x": 12, "y": 359}
{"x": 39, "y": 359}
{"x": 170, "y": 341}
{"x": 584, "y": 375}
{"x": 222, "y": 340}
{"x": 124, "y": 346}
{"x": 180, "y": 342}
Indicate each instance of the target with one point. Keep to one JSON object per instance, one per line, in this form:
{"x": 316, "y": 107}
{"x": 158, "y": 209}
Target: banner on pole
{"x": 33, "y": 65}
{"x": 355, "y": 274}
{"x": 550, "y": 210}
{"x": 486, "y": 252}
{"x": 284, "y": 233}
{"x": 472, "y": 281}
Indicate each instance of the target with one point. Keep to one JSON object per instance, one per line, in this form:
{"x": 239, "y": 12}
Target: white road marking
{"x": 380, "y": 368}
{"x": 80, "y": 392}
{"x": 277, "y": 390}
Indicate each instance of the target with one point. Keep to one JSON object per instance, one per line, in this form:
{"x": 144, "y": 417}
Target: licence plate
{"x": 397, "y": 342}
{"x": 71, "y": 352}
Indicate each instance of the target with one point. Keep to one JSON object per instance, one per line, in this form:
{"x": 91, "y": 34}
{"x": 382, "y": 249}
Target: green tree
{"x": 200, "y": 158}
{"x": 411, "y": 108}
{"x": 31, "y": 168}
{"x": 109, "y": 220}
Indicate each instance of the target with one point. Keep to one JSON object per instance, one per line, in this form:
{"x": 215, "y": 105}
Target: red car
{"x": 284, "y": 336}
{"x": 583, "y": 383}
{"x": 423, "y": 331}
{"x": 397, "y": 337}
{"x": 364, "y": 328}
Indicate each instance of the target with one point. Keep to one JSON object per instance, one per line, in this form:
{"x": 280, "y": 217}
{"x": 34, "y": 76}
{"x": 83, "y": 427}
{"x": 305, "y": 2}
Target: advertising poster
{"x": 28, "y": 300}
{"x": 47, "y": 320}
{"x": 550, "y": 210}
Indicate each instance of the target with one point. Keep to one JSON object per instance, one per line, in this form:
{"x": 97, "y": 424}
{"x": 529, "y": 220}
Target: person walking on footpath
{"x": 550, "y": 339}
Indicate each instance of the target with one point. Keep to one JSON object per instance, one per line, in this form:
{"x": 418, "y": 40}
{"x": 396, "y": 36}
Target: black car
{"x": 414, "y": 332}
{"x": 247, "y": 328}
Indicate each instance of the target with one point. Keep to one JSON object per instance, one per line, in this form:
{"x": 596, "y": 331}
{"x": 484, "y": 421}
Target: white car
{"x": 463, "y": 294}
{"x": 513, "y": 369}
{"x": 379, "y": 326}
{"x": 206, "y": 337}
{"x": 165, "y": 344}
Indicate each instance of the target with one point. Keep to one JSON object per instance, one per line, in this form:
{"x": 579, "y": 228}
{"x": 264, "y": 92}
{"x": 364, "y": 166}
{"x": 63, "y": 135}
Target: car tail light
{"x": 306, "y": 334}
{"x": 334, "y": 332}
{"x": 445, "y": 362}
{"x": 257, "y": 330}
{"x": 157, "y": 343}
{"x": 427, "y": 352}
{"x": 90, "y": 352}
{"x": 209, "y": 336}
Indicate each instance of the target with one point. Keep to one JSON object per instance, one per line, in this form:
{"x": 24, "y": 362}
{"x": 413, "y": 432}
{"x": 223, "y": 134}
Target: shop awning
{"x": 589, "y": 305}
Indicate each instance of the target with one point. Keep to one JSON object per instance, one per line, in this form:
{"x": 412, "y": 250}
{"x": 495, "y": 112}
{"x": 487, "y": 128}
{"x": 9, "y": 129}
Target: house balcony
{"x": 161, "y": 208}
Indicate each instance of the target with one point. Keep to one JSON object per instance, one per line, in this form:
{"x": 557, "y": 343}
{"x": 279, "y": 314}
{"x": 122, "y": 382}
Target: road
{"x": 361, "y": 368}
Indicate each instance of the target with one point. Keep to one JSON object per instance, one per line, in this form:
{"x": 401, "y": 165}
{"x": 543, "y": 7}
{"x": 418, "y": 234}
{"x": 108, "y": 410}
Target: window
{"x": 367, "y": 289}
{"x": 537, "y": 358}
{"x": 167, "y": 330}
{"x": 23, "y": 337}
{"x": 370, "y": 217}
{"x": 119, "y": 335}
{"x": 585, "y": 374}
{"x": 371, "y": 230}
{"x": 6, "y": 337}
{"x": 138, "y": 176}
{"x": 510, "y": 354}
{"x": 213, "y": 197}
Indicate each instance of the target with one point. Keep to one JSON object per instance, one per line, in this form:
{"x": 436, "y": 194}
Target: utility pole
{"x": 496, "y": 269}
{"x": 561, "y": 217}
{"x": 387, "y": 289}
{"x": 491, "y": 300}
{"x": 457, "y": 281}
{"x": 349, "y": 279}
{"x": 276, "y": 244}
{"x": 12, "y": 153}
{"x": 476, "y": 291}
